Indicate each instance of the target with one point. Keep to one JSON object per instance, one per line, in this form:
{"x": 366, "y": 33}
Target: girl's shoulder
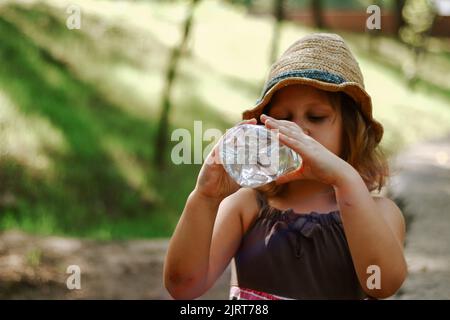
{"x": 244, "y": 202}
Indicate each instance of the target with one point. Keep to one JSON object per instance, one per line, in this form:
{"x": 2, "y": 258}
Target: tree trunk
{"x": 374, "y": 34}
{"x": 162, "y": 136}
{"x": 278, "y": 12}
{"x": 398, "y": 14}
{"x": 317, "y": 13}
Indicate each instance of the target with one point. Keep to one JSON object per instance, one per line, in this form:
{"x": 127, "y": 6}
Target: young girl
{"x": 317, "y": 232}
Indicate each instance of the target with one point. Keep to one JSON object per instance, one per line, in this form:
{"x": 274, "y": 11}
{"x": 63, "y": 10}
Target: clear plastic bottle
{"x": 252, "y": 155}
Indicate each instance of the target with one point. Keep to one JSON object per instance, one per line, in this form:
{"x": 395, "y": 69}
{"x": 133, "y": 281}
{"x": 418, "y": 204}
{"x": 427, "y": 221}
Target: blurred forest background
{"x": 86, "y": 114}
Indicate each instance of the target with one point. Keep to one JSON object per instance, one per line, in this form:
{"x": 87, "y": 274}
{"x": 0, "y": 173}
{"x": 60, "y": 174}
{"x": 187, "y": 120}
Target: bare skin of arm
{"x": 209, "y": 231}
{"x": 375, "y": 231}
{"x": 374, "y": 228}
{"x": 205, "y": 240}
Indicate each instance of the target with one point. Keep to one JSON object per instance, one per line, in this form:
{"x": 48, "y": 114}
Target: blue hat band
{"x": 308, "y": 73}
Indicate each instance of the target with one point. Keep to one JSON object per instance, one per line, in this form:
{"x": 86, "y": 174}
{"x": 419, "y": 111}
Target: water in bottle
{"x": 252, "y": 155}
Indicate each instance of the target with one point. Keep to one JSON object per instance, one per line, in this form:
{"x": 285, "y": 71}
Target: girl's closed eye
{"x": 317, "y": 118}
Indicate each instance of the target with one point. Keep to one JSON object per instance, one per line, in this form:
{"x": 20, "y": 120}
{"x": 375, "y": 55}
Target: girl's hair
{"x": 359, "y": 147}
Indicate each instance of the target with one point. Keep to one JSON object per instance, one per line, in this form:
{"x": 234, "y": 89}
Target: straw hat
{"x": 324, "y": 61}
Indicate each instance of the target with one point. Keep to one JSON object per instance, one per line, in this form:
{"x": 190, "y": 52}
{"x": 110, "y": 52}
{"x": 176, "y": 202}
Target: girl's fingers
{"x": 273, "y": 124}
{"x": 249, "y": 121}
{"x": 278, "y": 124}
{"x": 265, "y": 118}
{"x": 290, "y": 142}
{"x": 288, "y": 131}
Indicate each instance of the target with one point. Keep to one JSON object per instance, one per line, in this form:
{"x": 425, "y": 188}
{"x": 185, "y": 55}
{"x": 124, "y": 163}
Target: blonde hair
{"x": 359, "y": 146}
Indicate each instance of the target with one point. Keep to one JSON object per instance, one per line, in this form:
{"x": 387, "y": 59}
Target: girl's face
{"x": 312, "y": 110}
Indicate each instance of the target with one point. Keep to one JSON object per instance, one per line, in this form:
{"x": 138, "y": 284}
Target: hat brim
{"x": 352, "y": 89}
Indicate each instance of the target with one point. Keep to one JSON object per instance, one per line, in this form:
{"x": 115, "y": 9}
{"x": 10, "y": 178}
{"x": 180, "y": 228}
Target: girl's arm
{"x": 203, "y": 244}
{"x": 375, "y": 232}
{"x": 205, "y": 240}
{"x": 374, "y": 229}
{"x": 187, "y": 259}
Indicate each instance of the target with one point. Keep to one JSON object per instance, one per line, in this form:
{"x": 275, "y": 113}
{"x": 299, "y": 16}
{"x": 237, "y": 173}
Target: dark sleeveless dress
{"x": 294, "y": 255}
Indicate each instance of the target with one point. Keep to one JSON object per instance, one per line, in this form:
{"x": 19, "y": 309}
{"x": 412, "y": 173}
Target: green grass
{"x": 89, "y": 193}
{"x": 78, "y": 108}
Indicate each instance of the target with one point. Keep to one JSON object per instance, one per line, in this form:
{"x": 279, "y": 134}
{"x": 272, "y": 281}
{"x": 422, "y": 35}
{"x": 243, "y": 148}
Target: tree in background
{"x": 246, "y": 3}
{"x": 162, "y": 136}
{"x": 317, "y": 13}
{"x": 398, "y": 14}
{"x": 278, "y": 12}
{"x": 419, "y": 16}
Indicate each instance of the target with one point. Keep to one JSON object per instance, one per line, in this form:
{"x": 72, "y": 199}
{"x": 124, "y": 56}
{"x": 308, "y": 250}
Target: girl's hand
{"x": 213, "y": 181}
{"x": 319, "y": 163}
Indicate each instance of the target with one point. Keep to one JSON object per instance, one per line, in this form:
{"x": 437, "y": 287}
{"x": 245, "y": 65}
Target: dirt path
{"x": 423, "y": 187}
{"x": 35, "y": 267}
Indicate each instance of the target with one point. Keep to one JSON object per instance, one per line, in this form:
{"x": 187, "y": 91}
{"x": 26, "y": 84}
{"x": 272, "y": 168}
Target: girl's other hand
{"x": 318, "y": 163}
{"x": 213, "y": 181}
